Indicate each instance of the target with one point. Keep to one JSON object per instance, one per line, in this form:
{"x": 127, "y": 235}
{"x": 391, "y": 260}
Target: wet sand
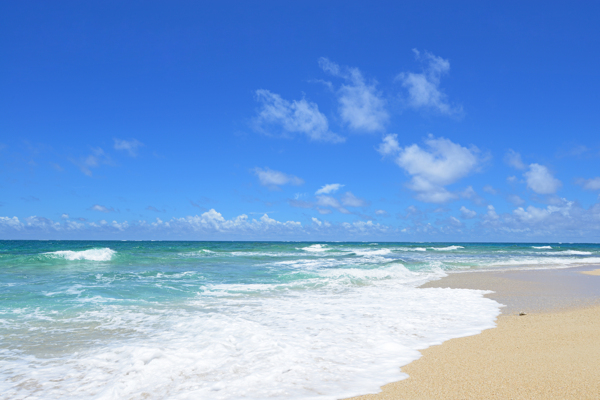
{"x": 551, "y": 352}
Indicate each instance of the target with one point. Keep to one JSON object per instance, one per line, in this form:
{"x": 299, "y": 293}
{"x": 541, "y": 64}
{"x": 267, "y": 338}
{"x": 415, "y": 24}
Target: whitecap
{"x": 412, "y": 249}
{"x": 104, "y": 254}
{"x": 316, "y": 247}
{"x": 542, "y": 247}
{"x": 447, "y": 248}
{"x": 574, "y": 253}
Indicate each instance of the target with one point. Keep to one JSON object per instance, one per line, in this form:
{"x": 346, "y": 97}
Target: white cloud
{"x": 65, "y": 216}
{"x": 274, "y": 179}
{"x": 298, "y": 116}
{"x": 320, "y": 223}
{"x": 389, "y": 145}
{"x": 98, "y": 207}
{"x": 208, "y": 225}
{"x": 590, "y": 184}
{"x": 365, "y": 227}
{"x": 513, "y": 159}
{"x": 466, "y": 213}
{"x": 328, "y": 201}
{"x": 329, "y": 188}
{"x": 361, "y": 106}
{"x": 130, "y": 146}
{"x": 540, "y": 180}
{"x": 381, "y": 213}
{"x": 350, "y": 200}
{"x": 491, "y": 214}
{"x": 14, "y": 223}
{"x": 443, "y": 163}
{"x": 424, "y": 88}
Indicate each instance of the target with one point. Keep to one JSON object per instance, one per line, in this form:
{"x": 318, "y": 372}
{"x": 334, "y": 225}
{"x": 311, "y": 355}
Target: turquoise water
{"x": 108, "y": 320}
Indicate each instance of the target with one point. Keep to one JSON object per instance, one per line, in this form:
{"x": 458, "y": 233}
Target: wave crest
{"x": 104, "y": 254}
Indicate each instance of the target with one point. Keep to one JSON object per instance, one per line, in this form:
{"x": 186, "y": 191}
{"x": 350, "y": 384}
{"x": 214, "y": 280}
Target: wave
{"x": 369, "y": 252}
{"x": 574, "y": 253}
{"x": 316, "y": 248}
{"x": 542, "y": 247}
{"x": 412, "y": 249}
{"x": 104, "y": 254}
{"x": 447, "y": 248}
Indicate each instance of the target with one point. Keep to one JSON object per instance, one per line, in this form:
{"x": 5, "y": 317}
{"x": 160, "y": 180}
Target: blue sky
{"x": 398, "y": 121}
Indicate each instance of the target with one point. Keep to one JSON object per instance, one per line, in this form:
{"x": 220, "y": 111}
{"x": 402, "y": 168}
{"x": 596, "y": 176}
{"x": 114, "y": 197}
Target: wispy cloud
{"x": 94, "y": 160}
{"x": 292, "y": 117}
{"x": 361, "y": 105}
{"x": 513, "y": 159}
{"x": 589, "y": 184}
{"x": 98, "y": 207}
{"x": 440, "y": 164}
{"x": 131, "y": 146}
{"x": 329, "y": 188}
{"x": 350, "y": 200}
{"x": 273, "y": 179}
{"x": 424, "y": 88}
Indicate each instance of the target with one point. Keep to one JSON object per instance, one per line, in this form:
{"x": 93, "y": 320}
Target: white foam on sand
{"x": 345, "y": 331}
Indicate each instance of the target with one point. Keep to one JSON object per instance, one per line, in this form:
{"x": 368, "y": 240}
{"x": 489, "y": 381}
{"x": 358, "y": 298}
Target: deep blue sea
{"x": 237, "y": 320}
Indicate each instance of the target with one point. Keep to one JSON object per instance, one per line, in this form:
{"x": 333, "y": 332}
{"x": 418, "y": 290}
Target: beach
{"x": 546, "y": 344}
{"x": 298, "y": 320}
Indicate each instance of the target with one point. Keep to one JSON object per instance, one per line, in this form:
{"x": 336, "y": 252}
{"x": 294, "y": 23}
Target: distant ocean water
{"x": 237, "y": 320}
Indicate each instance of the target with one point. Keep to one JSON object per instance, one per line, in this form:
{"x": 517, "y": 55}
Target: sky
{"x": 263, "y": 120}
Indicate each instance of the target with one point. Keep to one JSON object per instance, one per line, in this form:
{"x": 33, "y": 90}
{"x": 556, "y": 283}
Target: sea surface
{"x": 237, "y": 320}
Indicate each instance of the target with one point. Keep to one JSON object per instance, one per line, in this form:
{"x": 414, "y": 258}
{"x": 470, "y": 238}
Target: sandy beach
{"x": 550, "y": 352}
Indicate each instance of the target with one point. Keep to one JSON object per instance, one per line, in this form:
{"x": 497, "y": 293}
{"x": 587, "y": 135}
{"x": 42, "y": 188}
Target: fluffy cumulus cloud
{"x": 424, "y": 88}
{"x": 329, "y": 188}
{"x": 540, "y": 180}
{"x": 432, "y": 168}
{"x": 564, "y": 219}
{"x": 130, "y": 146}
{"x": 292, "y": 117}
{"x": 361, "y": 105}
{"x": 206, "y": 226}
{"x": 273, "y": 179}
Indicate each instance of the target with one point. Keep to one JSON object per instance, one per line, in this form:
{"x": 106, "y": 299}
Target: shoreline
{"x": 551, "y": 352}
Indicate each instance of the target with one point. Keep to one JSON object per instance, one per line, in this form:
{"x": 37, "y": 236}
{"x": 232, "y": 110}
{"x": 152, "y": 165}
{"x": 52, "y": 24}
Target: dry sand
{"x": 552, "y": 352}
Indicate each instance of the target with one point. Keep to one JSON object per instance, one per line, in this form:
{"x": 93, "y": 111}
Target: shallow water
{"x": 223, "y": 320}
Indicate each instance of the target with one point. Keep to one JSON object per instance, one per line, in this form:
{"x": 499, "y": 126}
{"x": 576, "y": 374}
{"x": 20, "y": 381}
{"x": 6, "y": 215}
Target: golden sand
{"x": 548, "y": 353}
{"x": 535, "y": 356}
{"x": 595, "y": 272}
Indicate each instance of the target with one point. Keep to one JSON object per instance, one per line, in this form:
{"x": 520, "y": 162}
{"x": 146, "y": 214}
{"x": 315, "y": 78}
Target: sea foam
{"x": 326, "y": 328}
{"x": 104, "y": 254}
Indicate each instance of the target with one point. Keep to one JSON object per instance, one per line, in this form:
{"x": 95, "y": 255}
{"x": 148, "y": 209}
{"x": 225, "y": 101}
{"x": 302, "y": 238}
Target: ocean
{"x": 237, "y": 320}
